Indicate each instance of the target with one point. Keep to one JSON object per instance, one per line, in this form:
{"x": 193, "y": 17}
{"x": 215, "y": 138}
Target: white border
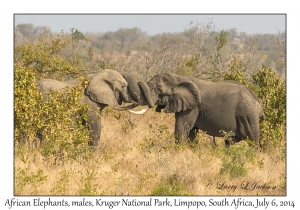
{"x": 54, "y": 6}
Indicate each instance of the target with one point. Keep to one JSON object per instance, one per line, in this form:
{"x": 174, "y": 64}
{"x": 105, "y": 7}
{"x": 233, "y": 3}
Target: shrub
{"x": 61, "y": 186}
{"x": 87, "y": 185}
{"x": 31, "y": 180}
{"x": 171, "y": 187}
{"x": 236, "y": 157}
{"x": 57, "y": 117}
{"x": 64, "y": 134}
{"x": 272, "y": 93}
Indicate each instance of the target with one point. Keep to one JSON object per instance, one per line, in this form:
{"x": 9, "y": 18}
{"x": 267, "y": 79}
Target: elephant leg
{"x": 248, "y": 127}
{"x": 93, "y": 121}
{"x": 184, "y": 123}
{"x": 94, "y": 124}
{"x": 255, "y": 133}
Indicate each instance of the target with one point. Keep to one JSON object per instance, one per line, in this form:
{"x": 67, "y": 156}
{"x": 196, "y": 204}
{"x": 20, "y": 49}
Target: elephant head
{"x": 108, "y": 87}
{"x": 111, "y": 88}
{"x": 171, "y": 93}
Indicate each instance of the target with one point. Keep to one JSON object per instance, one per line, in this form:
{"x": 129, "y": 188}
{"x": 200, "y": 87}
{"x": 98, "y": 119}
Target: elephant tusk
{"x": 143, "y": 111}
{"x": 125, "y": 108}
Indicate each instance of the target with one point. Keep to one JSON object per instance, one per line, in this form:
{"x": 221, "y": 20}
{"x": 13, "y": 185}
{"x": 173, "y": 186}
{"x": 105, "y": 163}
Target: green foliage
{"x": 63, "y": 130}
{"x": 216, "y": 57}
{"x": 87, "y": 185}
{"x": 261, "y": 164}
{"x": 221, "y": 40}
{"x": 144, "y": 179}
{"x": 77, "y": 35}
{"x": 105, "y": 65}
{"x": 236, "y": 73}
{"x": 272, "y": 93}
{"x": 159, "y": 138}
{"x": 171, "y": 187}
{"x": 61, "y": 186}
{"x": 58, "y": 117}
{"x": 191, "y": 65}
{"x": 26, "y": 99}
{"x": 127, "y": 125}
{"x": 31, "y": 180}
{"x": 50, "y": 56}
{"x": 235, "y": 158}
{"x": 233, "y": 169}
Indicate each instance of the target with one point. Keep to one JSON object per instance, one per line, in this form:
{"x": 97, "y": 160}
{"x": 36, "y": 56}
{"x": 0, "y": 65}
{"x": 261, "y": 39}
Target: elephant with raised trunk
{"x": 227, "y": 106}
{"x": 105, "y": 88}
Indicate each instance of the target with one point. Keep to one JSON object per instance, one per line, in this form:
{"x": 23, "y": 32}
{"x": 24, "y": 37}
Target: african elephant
{"x": 105, "y": 88}
{"x": 209, "y": 106}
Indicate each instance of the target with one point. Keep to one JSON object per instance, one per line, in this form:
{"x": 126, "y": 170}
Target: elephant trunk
{"x": 134, "y": 90}
{"x": 139, "y": 92}
{"x": 146, "y": 93}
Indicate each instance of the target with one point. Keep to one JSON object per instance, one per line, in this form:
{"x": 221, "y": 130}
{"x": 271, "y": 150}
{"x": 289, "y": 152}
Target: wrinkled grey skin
{"x": 105, "y": 88}
{"x": 208, "y": 106}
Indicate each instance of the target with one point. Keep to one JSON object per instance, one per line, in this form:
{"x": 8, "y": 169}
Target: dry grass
{"x": 137, "y": 156}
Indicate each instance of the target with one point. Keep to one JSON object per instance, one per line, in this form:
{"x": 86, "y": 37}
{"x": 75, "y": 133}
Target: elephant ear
{"x": 100, "y": 89}
{"x": 186, "y": 96}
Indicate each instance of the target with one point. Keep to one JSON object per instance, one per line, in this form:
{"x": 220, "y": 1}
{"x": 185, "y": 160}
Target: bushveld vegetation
{"x": 137, "y": 155}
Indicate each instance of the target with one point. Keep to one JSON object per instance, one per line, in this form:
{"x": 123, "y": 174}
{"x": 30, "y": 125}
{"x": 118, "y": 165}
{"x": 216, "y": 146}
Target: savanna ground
{"x": 137, "y": 155}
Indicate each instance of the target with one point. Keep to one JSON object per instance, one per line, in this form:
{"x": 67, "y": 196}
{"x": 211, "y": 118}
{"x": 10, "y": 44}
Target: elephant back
{"x": 45, "y": 85}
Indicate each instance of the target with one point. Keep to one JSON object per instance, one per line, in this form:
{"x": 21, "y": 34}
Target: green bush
{"x": 61, "y": 186}
{"x": 169, "y": 190}
{"x": 57, "y": 117}
{"x": 25, "y": 179}
{"x": 87, "y": 185}
{"x": 235, "y": 158}
{"x": 171, "y": 187}
{"x": 272, "y": 93}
